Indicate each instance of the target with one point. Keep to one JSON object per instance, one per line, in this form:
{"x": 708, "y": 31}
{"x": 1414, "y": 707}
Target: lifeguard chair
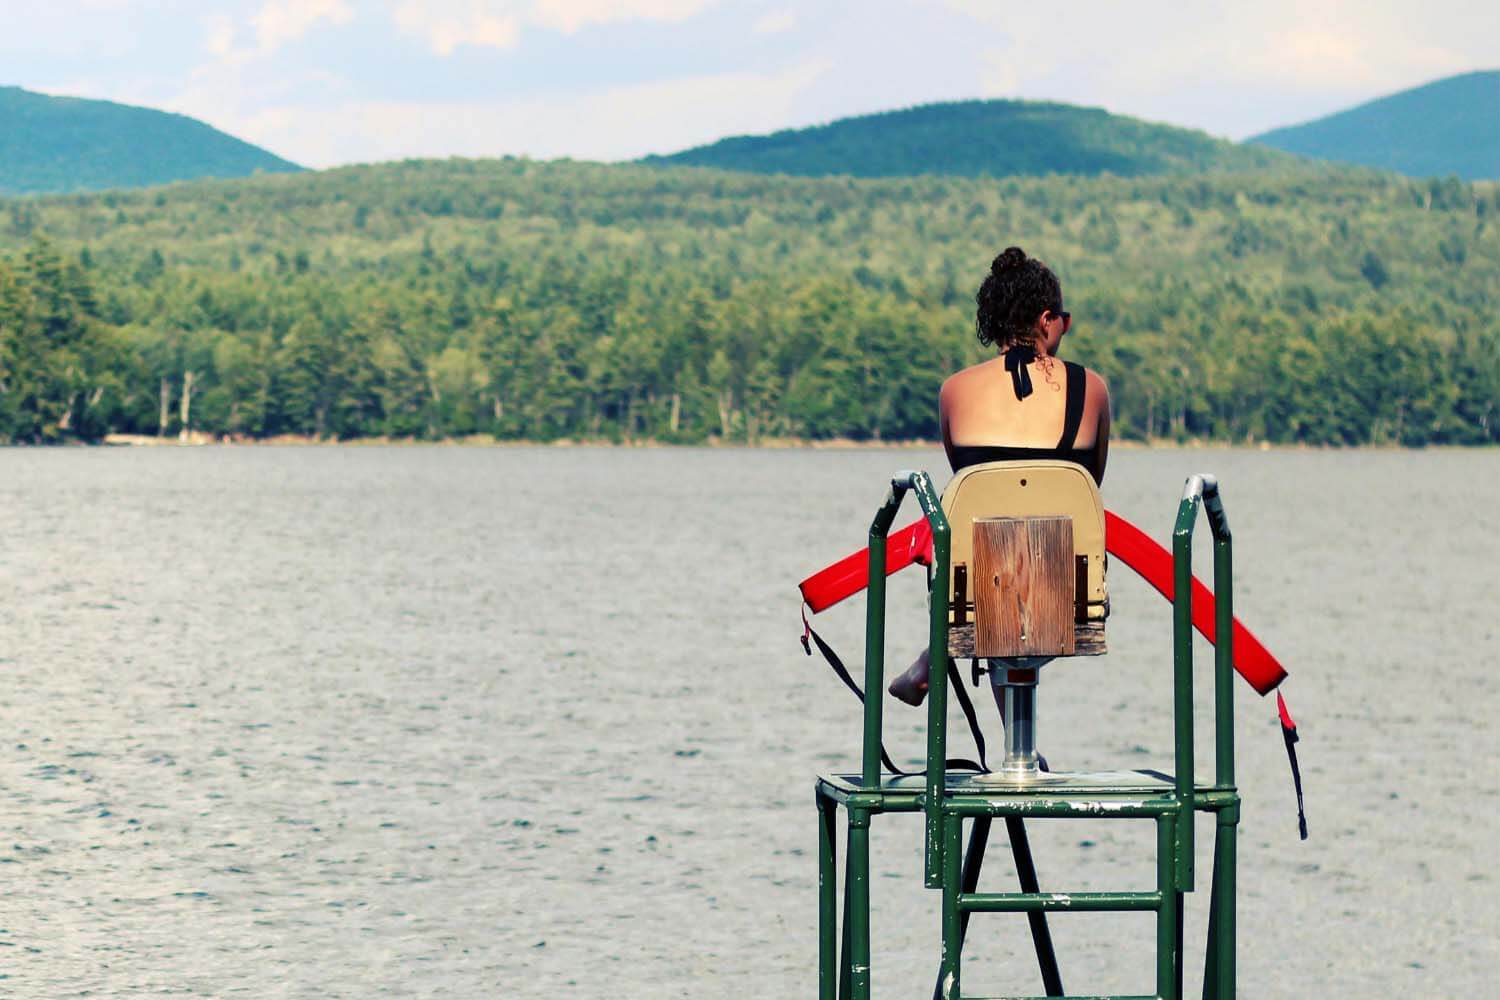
{"x": 1018, "y": 578}
{"x": 1027, "y": 583}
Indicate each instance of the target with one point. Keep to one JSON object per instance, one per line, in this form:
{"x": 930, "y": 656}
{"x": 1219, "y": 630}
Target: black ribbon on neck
{"x": 1016, "y": 360}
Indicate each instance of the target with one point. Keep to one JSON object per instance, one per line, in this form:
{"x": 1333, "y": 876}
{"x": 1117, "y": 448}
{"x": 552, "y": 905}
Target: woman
{"x": 1024, "y": 404}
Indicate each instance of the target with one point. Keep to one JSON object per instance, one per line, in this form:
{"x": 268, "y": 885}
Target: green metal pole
{"x": 859, "y": 904}
{"x": 1211, "y": 954}
{"x": 953, "y": 931}
{"x": 1219, "y": 970}
{"x": 845, "y": 986}
{"x": 937, "y": 674}
{"x": 1228, "y": 923}
{"x": 1177, "y": 911}
{"x": 979, "y": 836}
{"x": 875, "y": 645}
{"x": 1220, "y": 967}
{"x": 827, "y": 899}
{"x": 1182, "y": 663}
{"x": 1223, "y": 638}
{"x": 1167, "y": 911}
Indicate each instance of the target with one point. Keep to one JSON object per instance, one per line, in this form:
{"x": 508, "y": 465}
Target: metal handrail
{"x": 920, "y": 484}
{"x": 1201, "y": 490}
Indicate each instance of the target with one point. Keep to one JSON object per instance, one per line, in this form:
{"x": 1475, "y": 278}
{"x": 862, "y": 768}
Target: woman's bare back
{"x": 978, "y": 407}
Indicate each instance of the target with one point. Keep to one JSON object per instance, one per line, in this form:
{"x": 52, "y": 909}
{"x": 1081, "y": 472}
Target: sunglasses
{"x": 1066, "y": 317}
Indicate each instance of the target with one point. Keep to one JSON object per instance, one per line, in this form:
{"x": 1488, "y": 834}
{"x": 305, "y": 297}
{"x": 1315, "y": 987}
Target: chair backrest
{"x": 1031, "y": 489}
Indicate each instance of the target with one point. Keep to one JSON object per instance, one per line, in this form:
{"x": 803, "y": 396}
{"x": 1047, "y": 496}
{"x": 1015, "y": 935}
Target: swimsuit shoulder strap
{"x": 1074, "y": 393}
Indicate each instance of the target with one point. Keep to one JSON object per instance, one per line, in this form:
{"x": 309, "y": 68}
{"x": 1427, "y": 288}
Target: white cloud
{"x": 273, "y": 24}
{"x": 280, "y": 21}
{"x": 775, "y": 22}
{"x": 1331, "y": 56}
{"x": 611, "y": 124}
{"x": 220, "y": 35}
{"x": 447, "y": 24}
{"x": 1000, "y": 75}
{"x": 1234, "y": 66}
{"x": 569, "y": 16}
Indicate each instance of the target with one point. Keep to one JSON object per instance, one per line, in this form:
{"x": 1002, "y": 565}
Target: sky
{"x": 328, "y": 82}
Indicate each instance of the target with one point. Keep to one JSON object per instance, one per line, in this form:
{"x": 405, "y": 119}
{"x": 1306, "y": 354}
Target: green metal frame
{"x": 844, "y": 960}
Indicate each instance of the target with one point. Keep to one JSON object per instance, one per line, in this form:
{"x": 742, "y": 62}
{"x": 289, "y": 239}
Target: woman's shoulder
{"x": 1096, "y": 383}
{"x": 978, "y": 368}
{"x": 959, "y": 380}
{"x": 1096, "y": 403}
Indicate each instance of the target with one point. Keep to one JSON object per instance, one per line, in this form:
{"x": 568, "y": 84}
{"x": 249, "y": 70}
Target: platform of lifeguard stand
{"x": 1140, "y": 794}
{"x": 948, "y": 800}
{"x": 1092, "y": 792}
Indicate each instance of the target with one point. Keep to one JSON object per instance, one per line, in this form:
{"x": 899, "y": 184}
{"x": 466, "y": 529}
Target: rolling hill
{"x": 61, "y": 144}
{"x": 1451, "y": 126}
{"x": 977, "y": 138}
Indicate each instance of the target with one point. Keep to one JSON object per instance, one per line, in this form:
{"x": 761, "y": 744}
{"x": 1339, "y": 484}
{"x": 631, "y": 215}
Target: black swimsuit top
{"x": 965, "y": 455}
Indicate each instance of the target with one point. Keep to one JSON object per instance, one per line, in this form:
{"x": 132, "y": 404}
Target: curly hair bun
{"x": 1017, "y": 290}
{"x": 1009, "y": 260}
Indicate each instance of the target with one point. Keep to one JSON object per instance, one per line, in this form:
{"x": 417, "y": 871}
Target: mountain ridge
{"x": 994, "y": 138}
{"x": 63, "y": 145}
{"x": 1446, "y": 126}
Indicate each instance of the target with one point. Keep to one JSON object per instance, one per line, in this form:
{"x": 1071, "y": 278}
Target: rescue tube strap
{"x": 1289, "y": 736}
{"x": 810, "y": 637}
{"x": 956, "y": 684}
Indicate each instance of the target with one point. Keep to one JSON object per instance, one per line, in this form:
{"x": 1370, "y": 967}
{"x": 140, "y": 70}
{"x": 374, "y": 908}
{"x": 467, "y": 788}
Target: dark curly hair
{"x": 1017, "y": 290}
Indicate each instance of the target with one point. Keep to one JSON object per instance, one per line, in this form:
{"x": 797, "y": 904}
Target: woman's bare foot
{"x": 911, "y": 686}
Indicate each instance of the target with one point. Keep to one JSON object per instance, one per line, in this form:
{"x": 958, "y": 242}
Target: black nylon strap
{"x": 957, "y": 684}
{"x": 843, "y": 672}
{"x": 1289, "y": 735}
{"x": 956, "y": 763}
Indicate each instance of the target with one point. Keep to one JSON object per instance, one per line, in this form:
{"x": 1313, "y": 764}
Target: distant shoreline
{"x": 198, "y": 439}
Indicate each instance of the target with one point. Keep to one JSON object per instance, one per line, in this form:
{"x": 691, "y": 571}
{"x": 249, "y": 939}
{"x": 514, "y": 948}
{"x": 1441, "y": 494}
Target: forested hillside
{"x": 980, "y": 138}
{"x": 520, "y": 299}
{"x": 1450, "y": 126}
{"x": 72, "y": 144}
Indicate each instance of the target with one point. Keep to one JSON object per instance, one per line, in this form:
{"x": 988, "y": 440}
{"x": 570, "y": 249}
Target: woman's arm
{"x": 1099, "y": 391}
{"x": 944, "y": 397}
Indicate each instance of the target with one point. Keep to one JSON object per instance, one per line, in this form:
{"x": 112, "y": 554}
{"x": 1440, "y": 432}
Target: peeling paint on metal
{"x": 1118, "y": 806}
{"x": 1098, "y": 807}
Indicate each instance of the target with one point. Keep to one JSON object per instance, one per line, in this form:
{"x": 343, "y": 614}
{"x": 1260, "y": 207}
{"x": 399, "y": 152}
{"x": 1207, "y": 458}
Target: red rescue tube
{"x": 851, "y": 574}
{"x": 1139, "y": 551}
{"x": 1123, "y": 540}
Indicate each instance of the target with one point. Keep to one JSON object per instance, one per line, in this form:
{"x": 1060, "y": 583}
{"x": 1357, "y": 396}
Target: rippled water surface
{"x": 521, "y": 722}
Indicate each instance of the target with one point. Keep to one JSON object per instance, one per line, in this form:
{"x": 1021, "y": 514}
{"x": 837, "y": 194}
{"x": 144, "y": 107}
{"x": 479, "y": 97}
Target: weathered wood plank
{"x": 1024, "y": 586}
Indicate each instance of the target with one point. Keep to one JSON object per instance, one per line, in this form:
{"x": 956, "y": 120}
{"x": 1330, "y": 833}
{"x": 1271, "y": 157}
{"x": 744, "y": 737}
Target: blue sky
{"x": 326, "y": 82}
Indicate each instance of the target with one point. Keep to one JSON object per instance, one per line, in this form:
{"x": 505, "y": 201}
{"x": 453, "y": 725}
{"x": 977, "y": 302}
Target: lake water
{"x": 343, "y": 722}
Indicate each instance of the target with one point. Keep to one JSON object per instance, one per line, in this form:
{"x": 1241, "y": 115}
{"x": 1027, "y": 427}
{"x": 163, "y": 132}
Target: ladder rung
{"x": 1080, "y": 902}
